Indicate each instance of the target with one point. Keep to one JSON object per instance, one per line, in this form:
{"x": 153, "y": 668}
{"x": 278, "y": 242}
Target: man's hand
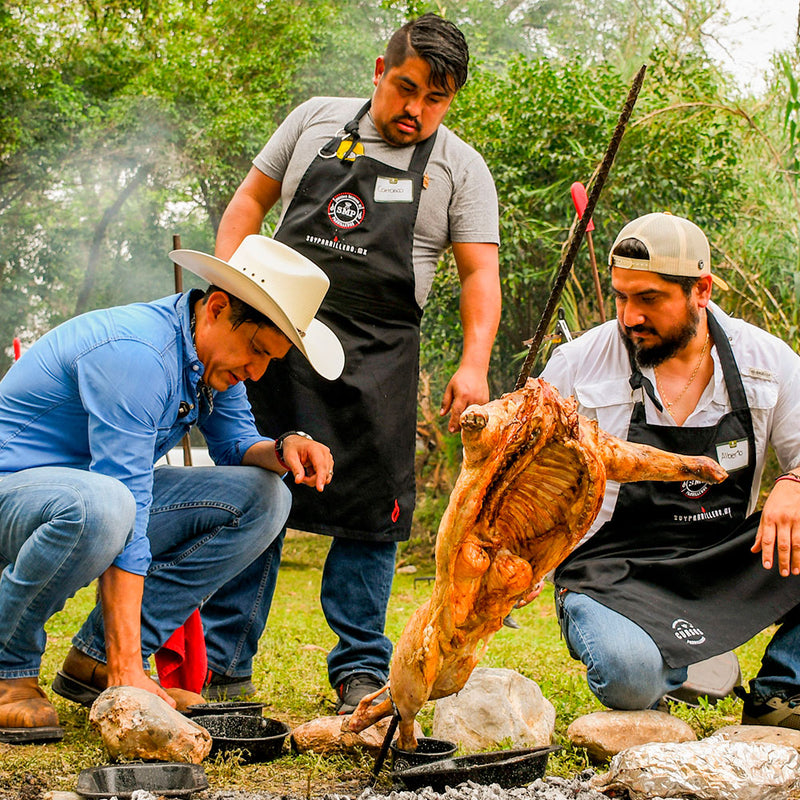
{"x": 780, "y": 525}
{"x": 466, "y": 387}
{"x": 309, "y": 462}
{"x": 121, "y": 598}
{"x": 129, "y": 675}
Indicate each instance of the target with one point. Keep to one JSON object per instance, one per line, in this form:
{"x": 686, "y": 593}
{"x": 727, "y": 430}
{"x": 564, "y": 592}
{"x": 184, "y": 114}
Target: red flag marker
{"x": 579, "y": 200}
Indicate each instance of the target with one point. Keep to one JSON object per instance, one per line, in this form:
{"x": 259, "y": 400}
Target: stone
{"x": 325, "y": 735}
{"x": 137, "y": 724}
{"x": 759, "y": 733}
{"x": 496, "y": 707}
{"x": 606, "y": 733}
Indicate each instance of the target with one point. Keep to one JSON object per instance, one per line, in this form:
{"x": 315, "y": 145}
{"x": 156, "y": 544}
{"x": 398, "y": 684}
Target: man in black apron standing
{"x": 675, "y": 573}
{"x": 373, "y": 192}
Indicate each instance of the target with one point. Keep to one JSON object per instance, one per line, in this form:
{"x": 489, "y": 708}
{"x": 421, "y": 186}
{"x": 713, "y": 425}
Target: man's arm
{"x": 121, "y": 598}
{"x": 309, "y": 462}
{"x": 479, "y": 273}
{"x": 246, "y": 211}
{"x": 780, "y": 526}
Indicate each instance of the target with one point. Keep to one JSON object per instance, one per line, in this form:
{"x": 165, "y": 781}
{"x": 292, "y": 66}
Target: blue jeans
{"x": 206, "y": 524}
{"x": 780, "y": 667}
{"x": 356, "y": 585}
{"x": 59, "y": 529}
{"x": 625, "y": 670}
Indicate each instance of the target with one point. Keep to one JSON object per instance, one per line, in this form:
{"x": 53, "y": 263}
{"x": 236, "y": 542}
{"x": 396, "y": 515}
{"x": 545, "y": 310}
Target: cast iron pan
{"x": 225, "y": 707}
{"x": 507, "y": 768}
{"x": 122, "y": 780}
{"x": 258, "y": 738}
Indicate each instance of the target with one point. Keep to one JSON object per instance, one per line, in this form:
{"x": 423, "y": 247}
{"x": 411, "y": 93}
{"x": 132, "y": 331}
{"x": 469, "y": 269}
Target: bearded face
{"x": 659, "y": 346}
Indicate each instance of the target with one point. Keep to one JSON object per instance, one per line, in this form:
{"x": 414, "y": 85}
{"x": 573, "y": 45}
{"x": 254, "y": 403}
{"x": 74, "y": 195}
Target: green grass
{"x": 291, "y": 677}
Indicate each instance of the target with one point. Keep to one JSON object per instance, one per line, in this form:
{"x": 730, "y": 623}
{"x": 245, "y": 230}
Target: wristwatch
{"x": 279, "y": 445}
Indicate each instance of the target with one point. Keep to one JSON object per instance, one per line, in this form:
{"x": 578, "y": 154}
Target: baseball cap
{"x": 676, "y": 246}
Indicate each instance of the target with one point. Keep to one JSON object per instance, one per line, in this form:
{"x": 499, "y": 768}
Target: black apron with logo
{"x": 675, "y": 557}
{"x": 354, "y": 217}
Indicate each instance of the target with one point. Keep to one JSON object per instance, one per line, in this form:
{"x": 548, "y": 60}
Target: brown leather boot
{"x": 26, "y": 715}
{"x": 81, "y": 678}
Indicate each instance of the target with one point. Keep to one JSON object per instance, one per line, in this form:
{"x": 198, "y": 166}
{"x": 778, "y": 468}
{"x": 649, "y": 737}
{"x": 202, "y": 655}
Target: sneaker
{"x": 777, "y": 711}
{"x": 229, "y": 687}
{"x": 355, "y": 687}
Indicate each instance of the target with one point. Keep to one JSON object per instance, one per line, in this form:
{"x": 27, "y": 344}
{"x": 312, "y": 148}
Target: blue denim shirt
{"x": 111, "y": 391}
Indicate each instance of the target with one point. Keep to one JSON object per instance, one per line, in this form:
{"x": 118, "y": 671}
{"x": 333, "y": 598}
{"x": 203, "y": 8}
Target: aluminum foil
{"x": 710, "y": 769}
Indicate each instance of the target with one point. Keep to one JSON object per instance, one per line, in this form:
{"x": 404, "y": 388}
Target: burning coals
{"x": 550, "y": 788}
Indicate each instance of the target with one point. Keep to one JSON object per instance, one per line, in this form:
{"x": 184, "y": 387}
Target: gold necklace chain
{"x": 669, "y": 403}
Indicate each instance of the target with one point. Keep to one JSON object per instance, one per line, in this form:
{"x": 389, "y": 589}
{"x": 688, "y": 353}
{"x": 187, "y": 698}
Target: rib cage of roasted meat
{"x": 531, "y": 484}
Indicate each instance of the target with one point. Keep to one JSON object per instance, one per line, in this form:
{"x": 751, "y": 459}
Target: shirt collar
{"x": 184, "y": 307}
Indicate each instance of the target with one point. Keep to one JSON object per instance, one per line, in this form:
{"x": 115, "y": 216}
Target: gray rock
{"x": 496, "y": 706}
{"x": 137, "y": 724}
{"x": 759, "y": 733}
{"x": 606, "y": 733}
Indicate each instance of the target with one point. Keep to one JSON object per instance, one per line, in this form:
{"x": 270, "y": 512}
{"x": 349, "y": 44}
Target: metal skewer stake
{"x": 574, "y": 242}
{"x": 387, "y": 740}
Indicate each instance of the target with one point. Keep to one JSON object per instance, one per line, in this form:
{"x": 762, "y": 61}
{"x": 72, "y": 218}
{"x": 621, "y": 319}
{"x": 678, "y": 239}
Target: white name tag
{"x": 394, "y": 190}
{"x": 733, "y": 455}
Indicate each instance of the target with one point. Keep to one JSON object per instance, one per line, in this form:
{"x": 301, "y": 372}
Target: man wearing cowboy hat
{"x": 374, "y": 192}
{"x": 673, "y": 574}
{"x": 85, "y": 414}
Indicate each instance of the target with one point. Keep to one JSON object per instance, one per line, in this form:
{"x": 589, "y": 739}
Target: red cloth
{"x": 182, "y": 662}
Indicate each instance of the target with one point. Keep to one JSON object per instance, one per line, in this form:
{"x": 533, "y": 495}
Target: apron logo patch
{"x": 346, "y": 210}
{"x": 396, "y": 511}
{"x": 694, "y": 489}
{"x": 686, "y": 632}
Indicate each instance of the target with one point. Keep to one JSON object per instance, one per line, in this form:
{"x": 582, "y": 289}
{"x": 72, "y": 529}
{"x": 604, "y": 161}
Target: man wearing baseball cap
{"x": 85, "y": 414}
{"x": 672, "y": 574}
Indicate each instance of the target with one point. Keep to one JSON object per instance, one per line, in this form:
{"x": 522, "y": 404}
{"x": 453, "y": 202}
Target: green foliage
{"x": 540, "y": 126}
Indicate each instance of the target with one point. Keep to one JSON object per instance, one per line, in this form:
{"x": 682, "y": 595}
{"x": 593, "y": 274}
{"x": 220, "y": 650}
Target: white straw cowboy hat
{"x": 283, "y": 285}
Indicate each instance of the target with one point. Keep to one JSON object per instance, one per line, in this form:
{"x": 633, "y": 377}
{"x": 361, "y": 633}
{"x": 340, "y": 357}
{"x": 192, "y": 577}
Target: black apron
{"x": 354, "y": 217}
{"x": 675, "y": 557}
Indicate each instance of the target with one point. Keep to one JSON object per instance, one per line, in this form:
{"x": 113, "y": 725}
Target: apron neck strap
{"x": 639, "y": 381}
{"x": 350, "y": 131}
{"x": 419, "y": 159}
{"x": 730, "y": 371}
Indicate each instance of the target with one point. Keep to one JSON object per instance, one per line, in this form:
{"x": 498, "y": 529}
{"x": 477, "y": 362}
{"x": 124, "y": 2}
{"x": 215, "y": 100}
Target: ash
{"x": 551, "y": 788}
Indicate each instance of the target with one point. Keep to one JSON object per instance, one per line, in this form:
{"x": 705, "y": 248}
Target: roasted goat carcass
{"x": 531, "y": 484}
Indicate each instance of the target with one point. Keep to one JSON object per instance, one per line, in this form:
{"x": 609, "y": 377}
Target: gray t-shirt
{"x": 459, "y": 204}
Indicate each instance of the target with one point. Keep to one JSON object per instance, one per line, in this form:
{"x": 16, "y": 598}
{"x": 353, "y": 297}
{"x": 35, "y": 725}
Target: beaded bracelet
{"x": 788, "y": 476}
